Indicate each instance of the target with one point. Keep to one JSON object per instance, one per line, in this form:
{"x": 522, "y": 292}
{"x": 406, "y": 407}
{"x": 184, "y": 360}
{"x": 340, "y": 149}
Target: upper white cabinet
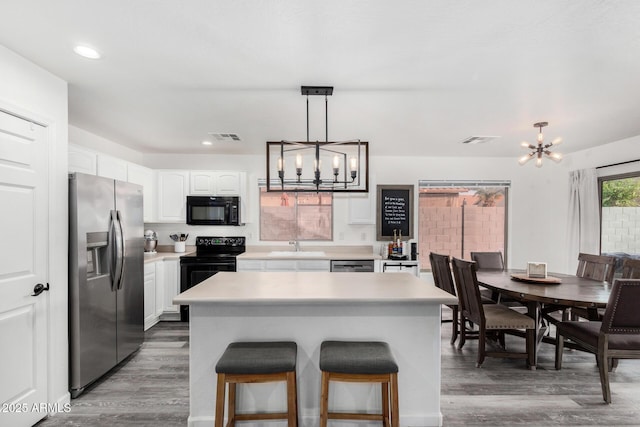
{"x": 112, "y": 167}
{"x": 82, "y": 160}
{"x": 173, "y": 187}
{"x": 362, "y": 206}
{"x": 140, "y": 175}
{"x": 218, "y": 183}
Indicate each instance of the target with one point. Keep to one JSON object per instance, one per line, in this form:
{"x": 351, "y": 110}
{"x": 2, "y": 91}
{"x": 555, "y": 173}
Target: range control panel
{"x": 208, "y": 241}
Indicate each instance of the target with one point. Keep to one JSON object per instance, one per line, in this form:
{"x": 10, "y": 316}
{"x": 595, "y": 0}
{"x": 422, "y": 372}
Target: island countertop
{"x": 312, "y": 287}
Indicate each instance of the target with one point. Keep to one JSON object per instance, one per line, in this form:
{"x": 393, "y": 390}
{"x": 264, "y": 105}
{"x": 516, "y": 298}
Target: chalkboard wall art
{"x": 394, "y": 211}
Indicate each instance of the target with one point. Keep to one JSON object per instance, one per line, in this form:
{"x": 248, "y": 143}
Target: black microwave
{"x": 213, "y": 210}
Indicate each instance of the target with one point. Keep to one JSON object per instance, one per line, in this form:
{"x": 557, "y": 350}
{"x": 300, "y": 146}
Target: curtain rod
{"x": 618, "y": 164}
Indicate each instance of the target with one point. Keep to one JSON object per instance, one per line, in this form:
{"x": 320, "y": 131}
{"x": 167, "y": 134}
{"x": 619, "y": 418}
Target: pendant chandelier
{"x": 537, "y": 151}
{"x": 320, "y": 166}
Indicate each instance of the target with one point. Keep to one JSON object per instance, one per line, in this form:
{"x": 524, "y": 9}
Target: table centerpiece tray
{"x": 523, "y": 277}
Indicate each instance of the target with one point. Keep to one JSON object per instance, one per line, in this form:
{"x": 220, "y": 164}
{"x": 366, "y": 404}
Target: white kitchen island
{"x": 309, "y": 307}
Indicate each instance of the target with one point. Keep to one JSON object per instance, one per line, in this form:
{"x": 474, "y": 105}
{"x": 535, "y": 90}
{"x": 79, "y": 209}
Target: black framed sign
{"x": 394, "y": 211}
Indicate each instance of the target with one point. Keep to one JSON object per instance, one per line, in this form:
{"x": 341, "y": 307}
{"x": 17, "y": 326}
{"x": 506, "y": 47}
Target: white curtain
{"x": 584, "y": 214}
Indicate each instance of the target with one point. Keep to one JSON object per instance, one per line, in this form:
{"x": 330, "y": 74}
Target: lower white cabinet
{"x": 283, "y": 265}
{"x": 150, "y": 294}
{"x": 171, "y": 288}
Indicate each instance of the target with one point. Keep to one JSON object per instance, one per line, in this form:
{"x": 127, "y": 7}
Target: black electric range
{"x": 213, "y": 254}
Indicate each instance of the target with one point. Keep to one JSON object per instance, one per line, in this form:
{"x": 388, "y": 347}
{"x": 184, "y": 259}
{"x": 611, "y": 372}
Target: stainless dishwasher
{"x": 352, "y": 266}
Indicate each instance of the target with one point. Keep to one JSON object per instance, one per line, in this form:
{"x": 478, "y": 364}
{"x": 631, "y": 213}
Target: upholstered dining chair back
{"x": 468, "y": 290}
{"x": 488, "y": 260}
{"x": 596, "y": 267}
{"x": 622, "y": 315}
{"x": 631, "y": 268}
{"x": 441, "y": 269}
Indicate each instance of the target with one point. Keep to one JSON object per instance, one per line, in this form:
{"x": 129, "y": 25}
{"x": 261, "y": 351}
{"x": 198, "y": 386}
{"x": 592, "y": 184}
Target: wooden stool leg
{"x": 231, "y": 413}
{"x": 395, "y": 414}
{"x": 385, "y": 404}
{"x": 220, "y": 400}
{"x": 324, "y": 400}
{"x": 292, "y": 401}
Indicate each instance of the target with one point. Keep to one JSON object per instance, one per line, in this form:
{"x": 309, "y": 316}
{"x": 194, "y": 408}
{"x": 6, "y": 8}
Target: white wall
{"x": 30, "y": 91}
{"x": 95, "y": 142}
{"x": 538, "y": 202}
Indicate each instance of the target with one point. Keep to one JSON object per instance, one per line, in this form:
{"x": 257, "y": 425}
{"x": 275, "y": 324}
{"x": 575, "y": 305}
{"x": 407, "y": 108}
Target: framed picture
{"x": 537, "y": 270}
{"x": 394, "y": 211}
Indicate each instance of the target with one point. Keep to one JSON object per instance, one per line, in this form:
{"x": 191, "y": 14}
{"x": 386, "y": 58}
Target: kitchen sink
{"x": 299, "y": 254}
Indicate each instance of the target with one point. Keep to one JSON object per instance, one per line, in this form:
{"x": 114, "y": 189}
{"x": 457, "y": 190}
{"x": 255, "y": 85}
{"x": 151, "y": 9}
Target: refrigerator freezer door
{"x": 92, "y": 303}
{"x": 130, "y": 294}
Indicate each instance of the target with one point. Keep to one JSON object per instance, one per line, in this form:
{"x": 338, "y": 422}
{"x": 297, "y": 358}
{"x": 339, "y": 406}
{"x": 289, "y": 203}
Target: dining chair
{"x": 441, "y": 270}
{"x": 488, "y": 260}
{"x": 631, "y": 268}
{"x": 490, "y": 317}
{"x": 594, "y": 267}
{"x": 617, "y": 336}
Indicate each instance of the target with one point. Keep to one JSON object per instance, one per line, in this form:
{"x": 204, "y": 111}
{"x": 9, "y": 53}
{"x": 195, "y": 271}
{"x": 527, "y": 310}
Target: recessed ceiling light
{"x": 87, "y": 52}
{"x": 207, "y": 143}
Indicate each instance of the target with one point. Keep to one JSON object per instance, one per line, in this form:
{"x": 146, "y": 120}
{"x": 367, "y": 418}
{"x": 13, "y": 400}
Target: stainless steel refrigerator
{"x": 106, "y": 278}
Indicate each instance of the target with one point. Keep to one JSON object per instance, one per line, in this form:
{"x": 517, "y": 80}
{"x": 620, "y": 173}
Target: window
{"x": 296, "y": 216}
{"x": 620, "y": 215}
{"x": 456, "y": 218}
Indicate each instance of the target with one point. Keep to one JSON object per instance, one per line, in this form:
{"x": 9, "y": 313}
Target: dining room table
{"x": 545, "y": 297}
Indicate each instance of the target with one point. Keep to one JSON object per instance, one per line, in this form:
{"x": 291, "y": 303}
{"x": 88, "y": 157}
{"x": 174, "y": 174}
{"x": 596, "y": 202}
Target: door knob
{"x": 39, "y": 288}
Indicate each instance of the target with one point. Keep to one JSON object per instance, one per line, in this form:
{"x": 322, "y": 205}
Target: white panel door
{"x": 143, "y": 176}
{"x": 227, "y": 183}
{"x": 173, "y": 187}
{"x": 23, "y": 264}
{"x": 202, "y": 183}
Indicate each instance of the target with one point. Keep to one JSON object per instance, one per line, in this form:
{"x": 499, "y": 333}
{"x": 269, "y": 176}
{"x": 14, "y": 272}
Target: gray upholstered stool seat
{"x": 256, "y": 362}
{"x": 365, "y": 362}
{"x": 357, "y": 357}
{"x": 258, "y": 358}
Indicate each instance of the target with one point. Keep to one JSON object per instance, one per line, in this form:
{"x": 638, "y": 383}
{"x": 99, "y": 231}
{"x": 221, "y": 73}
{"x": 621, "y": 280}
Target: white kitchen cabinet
{"x": 171, "y": 288}
{"x": 173, "y": 187}
{"x": 111, "y": 167}
{"x": 150, "y": 300}
{"x": 283, "y": 265}
{"x": 217, "y": 183}
{"x": 81, "y": 160}
{"x": 140, "y": 175}
{"x": 362, "y": 206}
{"x": 249, "y": 265}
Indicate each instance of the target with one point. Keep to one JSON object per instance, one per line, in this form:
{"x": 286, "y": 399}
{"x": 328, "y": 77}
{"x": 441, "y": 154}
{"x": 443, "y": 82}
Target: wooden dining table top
{"x": 573, "y": 291}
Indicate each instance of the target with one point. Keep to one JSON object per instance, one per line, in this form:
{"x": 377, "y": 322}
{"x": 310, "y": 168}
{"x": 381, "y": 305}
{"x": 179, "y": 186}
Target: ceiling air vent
{"x": 225, "y": 137}
{"x": 479, "y": 139}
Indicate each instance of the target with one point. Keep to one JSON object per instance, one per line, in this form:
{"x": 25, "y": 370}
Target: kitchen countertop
{"x": 161, "y": 255}
{"x": 329, "y": 252}
{"x": 313, "y": 287}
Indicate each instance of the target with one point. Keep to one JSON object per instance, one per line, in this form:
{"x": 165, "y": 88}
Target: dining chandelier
{"x": 320, "y": 166}
{"x": 537, "y": 151}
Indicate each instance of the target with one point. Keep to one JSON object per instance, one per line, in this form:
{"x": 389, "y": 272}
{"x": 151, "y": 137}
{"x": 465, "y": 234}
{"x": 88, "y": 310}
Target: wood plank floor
{"x": 152, "y": 389}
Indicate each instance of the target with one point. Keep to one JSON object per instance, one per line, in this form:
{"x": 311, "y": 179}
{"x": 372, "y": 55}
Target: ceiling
{"x": 411, "y": 77}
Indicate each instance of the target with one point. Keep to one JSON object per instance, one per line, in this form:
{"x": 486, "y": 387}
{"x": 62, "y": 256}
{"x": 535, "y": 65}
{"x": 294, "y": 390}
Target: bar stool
{"x": 257, "y": 362}
{"x": 362, "y": 362}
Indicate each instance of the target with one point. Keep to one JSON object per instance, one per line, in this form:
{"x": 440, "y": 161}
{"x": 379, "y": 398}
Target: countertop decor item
{"x": 341, "y": 166}
{"x": 540, "y": 149}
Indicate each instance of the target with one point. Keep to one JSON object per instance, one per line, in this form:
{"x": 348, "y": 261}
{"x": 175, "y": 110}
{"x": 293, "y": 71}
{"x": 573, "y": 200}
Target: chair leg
{"x": 454, "y": 323}
{"x": 395, "y": 411}
{"x": 603, "y": 367}
{"x": 613, "y": 365}
{"x": 292, "y": 407}
{"x": 559, "y": 350}
{"x": 481, "y": 347}
{"x": 385, "y": 404}
{"x": 231, "y": 413}
{"x": 220, "y": 400}
{"x": 324, "y": 400}
{"x": 463, "y": 332}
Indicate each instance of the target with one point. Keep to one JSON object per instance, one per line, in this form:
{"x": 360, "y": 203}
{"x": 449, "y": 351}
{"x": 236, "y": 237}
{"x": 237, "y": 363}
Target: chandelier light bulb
{"x": 336, "y": 162}
{"x": 280, "y": 164}
{"x": 539, "y": 162}
{"x": 524, "y": 159}
{"x": 556, "y": 141}
{"x": 525, "y": 144}
{"x": 540, "y": 137}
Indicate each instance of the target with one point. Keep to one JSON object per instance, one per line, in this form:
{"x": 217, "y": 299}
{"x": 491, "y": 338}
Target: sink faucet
{"x": 296, "y": 244}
